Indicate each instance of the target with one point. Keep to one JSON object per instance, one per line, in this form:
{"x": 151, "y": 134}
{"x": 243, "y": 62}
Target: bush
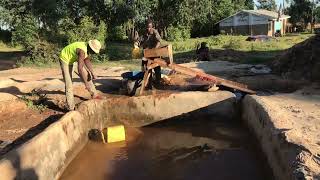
{"x": 117, "y": 33}
{"x": 42, "y": 53}
{"x": 178, "y": 33}
{"x": 85, "y": 31}
{"x": 27, "y": 33}
{"x": 101, "y": 57}
{"x": 39, "y": 51}
{"x": 233, "y": 44}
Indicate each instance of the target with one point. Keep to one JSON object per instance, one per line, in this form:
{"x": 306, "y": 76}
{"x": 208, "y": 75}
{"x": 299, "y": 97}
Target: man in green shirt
{"x": 78, "y": 52}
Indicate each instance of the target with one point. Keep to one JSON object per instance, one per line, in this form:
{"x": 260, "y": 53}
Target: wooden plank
{"x": 204, "y": 77}
{"x": 170, "y": 53}
{"x": 153, "y": 65}
{"x": 165, "y": 51}
{"x": 145, "y": 81}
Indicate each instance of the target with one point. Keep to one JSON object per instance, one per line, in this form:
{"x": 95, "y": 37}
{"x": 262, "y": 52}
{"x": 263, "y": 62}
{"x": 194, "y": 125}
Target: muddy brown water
{"x": 189, "y": 148}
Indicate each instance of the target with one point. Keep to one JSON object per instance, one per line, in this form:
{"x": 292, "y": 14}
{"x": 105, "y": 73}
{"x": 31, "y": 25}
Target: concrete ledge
{"x": 47, "y": 155}
{"x": 282, "y": 154}
{"x": 145, "y": 110}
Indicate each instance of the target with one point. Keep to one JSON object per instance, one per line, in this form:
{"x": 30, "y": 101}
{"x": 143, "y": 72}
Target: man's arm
{"x": 158, "y": 37}
{"x": 81, "y": 57}
{"x": 87, "y": 62}
{"x": 143, "y": 41}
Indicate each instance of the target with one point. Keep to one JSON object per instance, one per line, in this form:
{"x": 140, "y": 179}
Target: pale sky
{"x": 277, "y": 2}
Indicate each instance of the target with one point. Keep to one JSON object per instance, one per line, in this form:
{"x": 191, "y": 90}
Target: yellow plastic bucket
{"x": 114, "y": 134}
{"x": 136, "y": 53}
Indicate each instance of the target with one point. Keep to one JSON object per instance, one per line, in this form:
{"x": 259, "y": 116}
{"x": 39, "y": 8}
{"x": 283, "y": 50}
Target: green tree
{"x": 47, "y": 12}
{"x": 15, "y": 11}
{"x": 83, "y": 31}
{"x": 300, "y": 12}
{"x": 249, "y": 4}
{"x": 267, "y": 4}
{"x": 26, "y": 33}
{"x": 317, "y": 14}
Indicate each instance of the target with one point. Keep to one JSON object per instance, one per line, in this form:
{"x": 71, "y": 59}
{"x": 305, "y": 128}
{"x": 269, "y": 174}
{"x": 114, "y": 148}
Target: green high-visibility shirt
{"x": 69, "y": 53}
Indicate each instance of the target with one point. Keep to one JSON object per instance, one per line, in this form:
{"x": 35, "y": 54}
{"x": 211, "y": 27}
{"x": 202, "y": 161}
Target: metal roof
{"x": 263, "y": 12}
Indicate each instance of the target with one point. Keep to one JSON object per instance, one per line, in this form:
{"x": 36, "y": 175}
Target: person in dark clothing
{"x": 151, "y": 40}
{"x": 203, "y": 52}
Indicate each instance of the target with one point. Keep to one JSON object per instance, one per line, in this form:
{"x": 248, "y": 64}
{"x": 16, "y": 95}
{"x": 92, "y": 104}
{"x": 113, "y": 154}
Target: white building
{"x": 254, "y": 22}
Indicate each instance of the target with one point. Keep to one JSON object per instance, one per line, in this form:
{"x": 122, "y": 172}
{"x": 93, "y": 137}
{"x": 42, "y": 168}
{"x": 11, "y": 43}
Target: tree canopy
{"x": 301, "y": 11}
{"x": 198, "y": 16}
{"x": 46, "y": 25}
{"x": 267, "y": 4}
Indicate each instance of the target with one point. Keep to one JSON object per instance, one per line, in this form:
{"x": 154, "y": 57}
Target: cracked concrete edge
{"x": 46, "y": 155}
{"x": 282, "y": 155}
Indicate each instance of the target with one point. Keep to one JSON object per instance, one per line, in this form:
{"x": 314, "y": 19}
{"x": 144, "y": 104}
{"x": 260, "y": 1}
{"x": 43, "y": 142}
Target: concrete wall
{"x": 242, "y": 19}
{"x": 281, "y": 155}
{"x": 46, "y": 155}
{"x": 244, "y": 23}
{"x": 261, "y": 29}
{"x": 250, "y": 24}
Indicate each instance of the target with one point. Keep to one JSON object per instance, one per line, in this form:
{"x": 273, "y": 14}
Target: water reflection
{"x": 179, "y": 150}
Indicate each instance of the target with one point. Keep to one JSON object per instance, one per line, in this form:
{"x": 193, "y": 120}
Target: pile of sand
{"x": 302, "y": 61}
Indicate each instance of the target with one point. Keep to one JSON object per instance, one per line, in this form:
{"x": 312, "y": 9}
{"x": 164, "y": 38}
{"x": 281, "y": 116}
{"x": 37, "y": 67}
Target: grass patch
{"x": 7, "y": 48}
{"x": 239, "y": 43}
{"x": 119, "y": 54}
{"x": 34, "y": 101}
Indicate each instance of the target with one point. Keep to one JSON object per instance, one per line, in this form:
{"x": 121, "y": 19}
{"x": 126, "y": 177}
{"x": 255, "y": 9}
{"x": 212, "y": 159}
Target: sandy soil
{"x": 299, "y": 114}
{"x": 296, "y": 118}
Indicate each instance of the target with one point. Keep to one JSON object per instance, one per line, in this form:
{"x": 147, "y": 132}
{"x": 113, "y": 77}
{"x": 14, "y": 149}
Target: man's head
{"x": 149, "y": 27}
{"x": 204, "y": 45}
{"x": 94, "y": 46}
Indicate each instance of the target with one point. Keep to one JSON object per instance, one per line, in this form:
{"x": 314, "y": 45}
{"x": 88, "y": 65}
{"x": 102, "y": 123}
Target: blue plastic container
{"x": 133, "y": 75}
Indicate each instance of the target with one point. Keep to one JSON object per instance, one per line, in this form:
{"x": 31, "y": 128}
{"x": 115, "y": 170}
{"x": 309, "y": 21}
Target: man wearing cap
{"x": 78, "y": 52}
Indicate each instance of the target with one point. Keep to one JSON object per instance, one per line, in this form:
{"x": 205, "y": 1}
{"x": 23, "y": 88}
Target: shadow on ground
{"x": 8, "y": 60}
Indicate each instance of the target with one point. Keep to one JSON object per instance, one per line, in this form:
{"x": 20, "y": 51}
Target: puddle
{"x": 182, "y": 149}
